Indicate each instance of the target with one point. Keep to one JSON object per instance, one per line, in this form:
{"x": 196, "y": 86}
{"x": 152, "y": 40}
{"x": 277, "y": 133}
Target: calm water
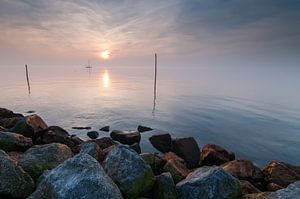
{"x": 254, "y": 111}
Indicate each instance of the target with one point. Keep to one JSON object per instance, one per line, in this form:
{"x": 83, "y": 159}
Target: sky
{"x": 129, "y": 32}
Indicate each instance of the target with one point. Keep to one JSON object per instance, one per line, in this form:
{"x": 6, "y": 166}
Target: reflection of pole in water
{"x": 27, "y": 77}
{"x": 154, "y": 89}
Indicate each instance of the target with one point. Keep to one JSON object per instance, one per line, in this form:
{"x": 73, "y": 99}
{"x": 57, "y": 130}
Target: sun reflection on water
{"x": 105, "y": 79}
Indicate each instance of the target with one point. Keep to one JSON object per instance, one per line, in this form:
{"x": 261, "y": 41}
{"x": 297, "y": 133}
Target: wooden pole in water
{"x": 155, "y": 75}
{"x": 27, "y": 77}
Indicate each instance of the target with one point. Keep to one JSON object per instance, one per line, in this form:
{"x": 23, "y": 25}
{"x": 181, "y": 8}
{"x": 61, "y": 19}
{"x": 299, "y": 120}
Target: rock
{"x": 187, "y": 148}
{"x": 93, "y": 150}
{"x": 15, "y": 156}
{"x": 291, "y": 192}
{"x": 162, "y": 142}
{"x": 263, "y": 195}
{"x": 93, "y": 134}
{"x": 29, "y": 126}
{"x": 108, "y": 149}
{"x": 164, "y": 187}
{"x": 129, "y": 171}
{"x": 8, "y": 123}
{"x": 156, "y": 162}
{"x": 82, "y": 127}
{"x": 42, "y": 157}
{"x": 209, "y": 182}
{"x": 177, "y": 169}
{"x": 136, "y": 147}
{"x": 2, "y": 128}
{"x": 273, "y": 187}
{"x": 5, "y": 113}
{"x": 79, "y": 177}
{"x": 14, "y": 142}
{"x": 173, "y": 156}
{"x": 215, "y": 155}
{"x": 105, "y": 129}
{"x": 248, "y": 188}
{"x": 15, "y": 182}
{"x": 126, "y": 137}
{"x": 281, "y": 173}
{"x": 244, "y": 169}
{"x": 105, "y": 142}
{"x": 142, "y": 129}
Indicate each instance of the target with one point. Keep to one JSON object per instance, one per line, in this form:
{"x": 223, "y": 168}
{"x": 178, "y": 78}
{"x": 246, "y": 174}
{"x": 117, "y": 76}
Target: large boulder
{"x": 8, "y": 123}
{"x": 281, "y": 173}
{"x": 209, "y": 182}
{"x": 29, "y": 126}
{"x": 14, "y": 181}
{"x": 43, "y": 157}
{"x": 126, "y": 137}
{"x": 164, "y": 187}
{"x": 79, "y": 177}
{"x": 248, "y": 188}
{"x": 162, "y": 142}
{"x": 129, "y": 171}
{"x": 215, "y": 155}
{"x": 156, "y": 162}
{"x": 244, "y": 169}
{"x": 188, "y": 149}
{"x": 5, "y": 113}
{"x": 14, "y": 142}
{"x": 291, "y": 192}
{"x": 177, "y": 169}
{"x": 93, "y": 150}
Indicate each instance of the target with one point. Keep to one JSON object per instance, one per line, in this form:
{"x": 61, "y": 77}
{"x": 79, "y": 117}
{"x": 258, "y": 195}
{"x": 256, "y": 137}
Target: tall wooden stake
{"x": 155, "y": 75}
{"x": 27, "y": 77}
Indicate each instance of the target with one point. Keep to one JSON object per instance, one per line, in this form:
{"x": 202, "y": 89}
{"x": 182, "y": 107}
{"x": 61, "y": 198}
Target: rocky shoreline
{"x": 38, "y": 161}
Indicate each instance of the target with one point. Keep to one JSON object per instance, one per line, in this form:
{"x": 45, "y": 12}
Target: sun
{"x": 105, "y": 54}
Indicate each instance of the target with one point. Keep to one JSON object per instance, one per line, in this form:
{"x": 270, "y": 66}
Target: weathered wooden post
{"x": 27, "y": 77}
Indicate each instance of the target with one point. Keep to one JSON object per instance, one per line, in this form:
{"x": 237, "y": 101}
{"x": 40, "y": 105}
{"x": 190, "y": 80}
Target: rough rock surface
{"x": 43, "y": 157}
{"x": 291, "y": 192}
{"x": 126, "y": 137}
{"x": 129, "y": 171}
{"x": 162, "y": 142}
{"x": 79, "y": 177}
{"x": 14, "y": 181}
{"x": 93, "y": 134}
{"x": 93, "y": 150}
{"x": 5, "y": 113}
{"x": 188, "y": 149}
{"x": 10, "y": 122}
{"x": 281, "y": 173}
{"x": 248, "y": 188}
{"x": 156, "y": 162}
{"x": 263, "y": 195}
{"x": 177, "y": 169}
{"x": 209, "y": 182}
{"x": 215, "y": 155}
{"x": 105, "y": 142}
{"x": 164, "y": 187}
{"x": 14, "y": 142}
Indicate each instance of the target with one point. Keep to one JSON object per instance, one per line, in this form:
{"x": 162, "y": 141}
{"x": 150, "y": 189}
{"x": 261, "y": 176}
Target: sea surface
{"x": 253, "y": 111}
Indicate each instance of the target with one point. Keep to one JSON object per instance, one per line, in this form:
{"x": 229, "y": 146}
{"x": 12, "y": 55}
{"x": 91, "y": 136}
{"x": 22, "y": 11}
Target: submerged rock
{"x": 82, "y": 127}
{"x": 79, "y": 177}
{"x": 105, "y": 129}
{"x": 142, "y": 129}
{"x": 215, "y": 155}
{"x": 291, "y": 192}
{"x": 14, "y": 142}
{"x": 156, "y": 162}
{"x": 126, "y": 137}
{"x": 188, "y": 149}
{"x": 164, "y": 187}
{"x": 209, "y": 182}
{"x": 93, "y": 134}
{"x": 43, "y": 157}
{"x": 14, "y": 181}
{"x": 129, "y": 171}
{"x": 162, "y": 142}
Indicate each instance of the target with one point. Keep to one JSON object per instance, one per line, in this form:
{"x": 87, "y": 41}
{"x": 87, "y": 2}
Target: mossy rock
{"x": 14, "y": 142}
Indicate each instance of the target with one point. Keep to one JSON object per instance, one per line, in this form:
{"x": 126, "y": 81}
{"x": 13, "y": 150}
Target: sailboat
{"x": 89, "y": 66}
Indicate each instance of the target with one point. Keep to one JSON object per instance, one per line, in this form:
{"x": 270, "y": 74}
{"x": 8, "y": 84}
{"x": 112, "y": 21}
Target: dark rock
{"x": 15, "y": 156}
{"x": 76, "y": 140}
{"x": 209, "y": 182}
{"x": 142, "y": 129}
{"x": 14, "y": 181}
{"x": 281, "y": 173}
{"x": 107, "y": 150}
{"x": 105, "y": 142}
{"x": 248, "y": 188}
{"x": 2, "y": 128}
{"x": 215, "y": 155}
{"x": 162, "y": 142}
{"x": 291, "y": 192}
{"x": 82, "y": 127}
{"x": 5, "y": 113}
{"x": 164, "y": 187}
{"x": 29, "y": 126}
{"x": 263, "y": 195}
{"x": 136, "y": 147}
{"x": 173, "y": 156}
{"x": 188, "y": 149}
{"x": 93, "y": 134}
{"x": 105, "y": 129}
{"x": 126, "y": 137}
{"x": 129, "y": 171}
{"x": 43, "y": 157}
{"x": 14, "y": 142}
{"x": 79, "y": 177}
{"x": 10, "y": 122}
{"x": 177, "y": 169}
{"x": 244, "y": 169}
{"x": 156, "y": 162}
{"x": 93, "y": 150}
{"x": 273, "y": 187}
